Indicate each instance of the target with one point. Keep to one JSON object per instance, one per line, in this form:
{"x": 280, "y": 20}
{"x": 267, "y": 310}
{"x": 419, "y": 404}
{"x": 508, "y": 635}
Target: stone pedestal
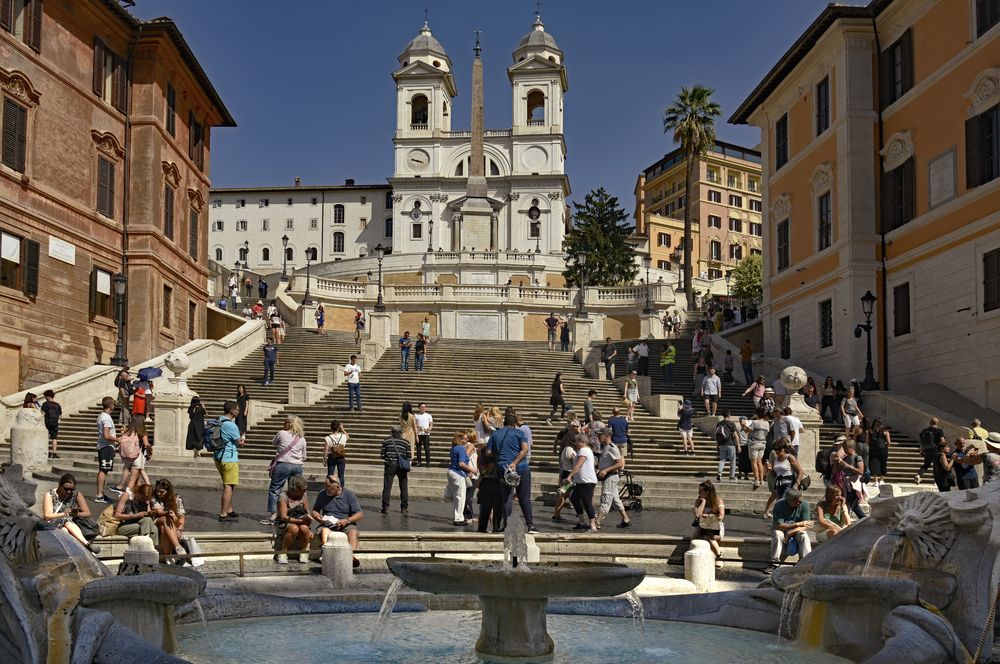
{"x": 172, "y": 424}
{"x": 380, "y": 328}
{"x": 504, "y": 616}
{"x": 330, "y": 375}
{"x": 699, "y": 565}
{"x": 307, "y": 316}
{"x": 29, "y": 441}
{"x": 534, "y": 553}
{"x": 811, "y": 422}
{"x": 338, "y": 560}
{"x": 649, "y": 326}
{"x": 305, "y": 394}
{"x": 582, "y": 331}
{"x": 141, "y": 551}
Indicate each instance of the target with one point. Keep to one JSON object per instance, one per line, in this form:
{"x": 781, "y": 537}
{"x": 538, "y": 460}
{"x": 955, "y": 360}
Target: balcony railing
{"x": 536, "y": 123}
{"x": 418, "y": 127}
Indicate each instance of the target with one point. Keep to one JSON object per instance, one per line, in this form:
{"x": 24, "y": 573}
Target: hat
{"x": 686, "y": 402}
{"x": 768, "y": 389}
{"x": 841, "y": 439}
{"x": 744, "y": 418}
{"x": 605, "y": 431}
{"x": 993, "y": 441}
{"x": 259, "y": 302}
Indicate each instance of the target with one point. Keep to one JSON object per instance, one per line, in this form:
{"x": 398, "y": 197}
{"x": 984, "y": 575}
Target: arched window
{"x": 243, "y": 254}
{"x": 338, "y": 214}
{"x": 265, "y": 255}
{"x": 218, "y": 254}
{"x": 536, "y": 108}
{"x": 338, "y": 243}
{"x": 418, "y": 112}
{"x": 494, "y": 169}
{"x": 311, "y": 253}
{"x": 460, "y": 169}
{"x": 388, "y": 200}
{"x": 289, "y": 254}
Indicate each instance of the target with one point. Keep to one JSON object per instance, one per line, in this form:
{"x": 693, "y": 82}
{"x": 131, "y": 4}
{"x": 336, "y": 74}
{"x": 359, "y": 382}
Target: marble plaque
{"x": 941, "y": 179}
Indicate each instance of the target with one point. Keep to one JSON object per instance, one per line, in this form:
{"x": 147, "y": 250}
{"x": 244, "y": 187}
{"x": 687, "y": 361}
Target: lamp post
{"x": 729, "y": 277}
{"x": 430, "y": 236}
{"x": 239, "y": 282}
{"x": 648, "y": 309}
{"x": 284, "y": 258}
{"x": 581, "y": 263}
{"x": 867, "y": 306}
{"x": 119, "y": 359}
{"x": 379, "y": 254}
{"x": 306, "y": 300}
{"x": 246, "y": 254}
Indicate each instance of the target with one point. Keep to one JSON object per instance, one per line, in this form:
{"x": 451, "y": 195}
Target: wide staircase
{"x": 904, "y": 453}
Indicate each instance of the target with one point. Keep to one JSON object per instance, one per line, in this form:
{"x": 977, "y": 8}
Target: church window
{"x": 388, "y": 228}
{"x": 535, "y": 230}
{"x": 218, "y": 254}
{"x": 460, "y": 169}
{"x": 494, "y": 169}
{"x": 418, "y": 112}
{"x": 265, "y": 255}
{"x": 388, "y": 200}
{"x": 417, "y": 231}
{"x": 437, "y": 63}
{"x": 289, "y": 254}
{"x": 536, "y": 108}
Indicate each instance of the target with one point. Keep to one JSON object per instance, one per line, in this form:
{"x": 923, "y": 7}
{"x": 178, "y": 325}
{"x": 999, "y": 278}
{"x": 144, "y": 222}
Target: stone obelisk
{"x": 477, "y": 213}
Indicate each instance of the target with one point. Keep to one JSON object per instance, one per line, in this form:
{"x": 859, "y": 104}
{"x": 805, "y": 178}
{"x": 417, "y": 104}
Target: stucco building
{"x": 880, "y": 142}
{"x": 105, "y": 145}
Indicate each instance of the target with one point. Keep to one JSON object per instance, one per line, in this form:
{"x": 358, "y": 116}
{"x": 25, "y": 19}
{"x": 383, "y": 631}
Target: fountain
{"x": 514, "y": 596}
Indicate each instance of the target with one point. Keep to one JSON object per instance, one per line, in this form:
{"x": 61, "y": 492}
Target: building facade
{"x": 881, "y": 152}
{"x": 726, "y": 213}
{"x": 105, "y": 147}
{"x": 322, "y": 223}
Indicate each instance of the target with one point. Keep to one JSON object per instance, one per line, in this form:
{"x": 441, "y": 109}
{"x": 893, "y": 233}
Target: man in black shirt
{"x": 395, "y": 448}
{"x": 608, "y": 353}
{"x": 52, "y": 412}
{"x": 929, "y": 439}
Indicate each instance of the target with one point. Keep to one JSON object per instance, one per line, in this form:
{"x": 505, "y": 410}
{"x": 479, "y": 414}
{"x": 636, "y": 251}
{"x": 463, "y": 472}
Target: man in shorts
{"x": 106, "y": 439}
{"x": 711, "y": 390}
{"x": 52, "y": 412}
{"x": 609, "y": 466}
{"x": 227, "y": 459}
{"x": 337, "y": 510}
{"x": 552, "y": 324}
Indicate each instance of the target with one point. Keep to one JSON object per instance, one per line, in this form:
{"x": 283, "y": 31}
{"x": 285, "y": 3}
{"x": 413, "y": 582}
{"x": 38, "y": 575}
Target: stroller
{"x": 629, "y": 493}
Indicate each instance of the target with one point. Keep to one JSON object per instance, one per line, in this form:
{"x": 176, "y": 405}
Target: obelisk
{"x": 476, "y": 211}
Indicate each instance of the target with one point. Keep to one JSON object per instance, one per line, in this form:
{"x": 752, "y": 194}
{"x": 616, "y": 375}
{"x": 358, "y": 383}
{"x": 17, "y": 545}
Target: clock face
{"x": 417, "y": 160}
{"x": 416, "y": 215}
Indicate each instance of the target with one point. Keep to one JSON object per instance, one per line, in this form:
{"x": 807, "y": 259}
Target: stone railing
{"x": 488, "y": 133}
{"x": 87, "y": 387}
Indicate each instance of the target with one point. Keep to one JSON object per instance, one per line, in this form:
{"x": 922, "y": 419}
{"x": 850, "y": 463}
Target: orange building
{"x": 104, "y": 170}
{"x": 881, "y": 146}
{"x": 726, "y": 213}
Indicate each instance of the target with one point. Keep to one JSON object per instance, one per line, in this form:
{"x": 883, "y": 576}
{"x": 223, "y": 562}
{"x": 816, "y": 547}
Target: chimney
{"x": 349, "y": 182}
{"x": 298, "y": 181}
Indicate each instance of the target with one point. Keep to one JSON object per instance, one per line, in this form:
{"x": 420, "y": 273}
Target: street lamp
{"x": 239, "y": 282}
{"x": 306, "y": 300}
{"x": 284, "y": 260}
{"x": 581, "y": 263}
{"x": 246, "y": 254}
{"x": 867, "y": 306}
{"x": 379, "y": 255}
{"x": 119, "y": 359}
{"x": 646, "y": 260}
{"x": 430, "y": 236}
{"x": 729, "y": 277}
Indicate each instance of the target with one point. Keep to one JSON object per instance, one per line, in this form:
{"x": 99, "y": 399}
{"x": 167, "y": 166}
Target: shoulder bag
{"x": 280, "y": 455}
{"x": 401, "y": 461}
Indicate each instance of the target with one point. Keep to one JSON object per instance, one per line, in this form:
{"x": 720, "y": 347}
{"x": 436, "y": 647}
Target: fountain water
{"x": 867, "y": 570}
{"x": 638, "y": 613}
{"x": 384, "y": 613}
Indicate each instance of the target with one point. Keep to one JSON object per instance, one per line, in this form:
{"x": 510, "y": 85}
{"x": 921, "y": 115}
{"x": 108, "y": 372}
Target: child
{"x": 52, "y": 412}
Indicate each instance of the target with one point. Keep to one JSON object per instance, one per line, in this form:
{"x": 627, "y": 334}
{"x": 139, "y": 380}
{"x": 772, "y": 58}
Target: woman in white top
{"x": 335, "y": 450}
{"x": 289, "y": 456}
{"x": 425, "y": 329}
{"x": 62, "y": 505}
{"x": 631, "y": 394}
{"x": 567, "y": 462}
{"x": 585, "y": 476}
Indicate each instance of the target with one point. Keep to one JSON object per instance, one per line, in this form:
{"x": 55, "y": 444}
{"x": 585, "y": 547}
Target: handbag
{"x": 191, "y": 546}
{"x": 402, "y": 462}
{"x": 278, "y": 457}
{"x": 107, "y": 524}
{"x": 709, "y": 522}
{"x": 87, "y": 527}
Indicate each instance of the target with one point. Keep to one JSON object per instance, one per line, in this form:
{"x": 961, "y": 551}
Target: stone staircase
{"x": 904, "y": 453}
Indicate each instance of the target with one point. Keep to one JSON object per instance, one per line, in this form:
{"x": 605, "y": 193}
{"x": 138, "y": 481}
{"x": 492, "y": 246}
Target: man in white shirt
{"x": 780, "y": 392}
{"x": 353, "y": 373}
{"x": 795, "y": 429}
{"x": 642, "y": 350}
{"x": 424, "y": 425}
{"x": 106, "y": 439}
{"x": 711, "y": 390}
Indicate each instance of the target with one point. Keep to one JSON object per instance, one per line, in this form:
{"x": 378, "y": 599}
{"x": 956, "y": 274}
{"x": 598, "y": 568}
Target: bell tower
{"x": 538, "y": 82}
{"x": 424, "y": 88}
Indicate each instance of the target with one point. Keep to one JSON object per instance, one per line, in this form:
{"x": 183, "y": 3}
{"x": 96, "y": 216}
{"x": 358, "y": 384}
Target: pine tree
{"x": 600, "y": 230}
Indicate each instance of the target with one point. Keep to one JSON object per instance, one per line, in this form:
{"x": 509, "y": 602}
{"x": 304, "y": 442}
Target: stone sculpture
{"x": 793, "y": 378}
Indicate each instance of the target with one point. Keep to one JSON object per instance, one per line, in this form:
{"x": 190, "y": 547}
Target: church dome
{"x": 424, "y": 43}
{"x": 538, "y": 39}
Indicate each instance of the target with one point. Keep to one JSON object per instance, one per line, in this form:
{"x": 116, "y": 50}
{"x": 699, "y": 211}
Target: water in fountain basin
{"x": 789, "y": 605}
{"x": 201, "y": 615}
{"x": 869, "y": 569}
{"x": 388, "y": 604}
{"x": 638, "y": 613}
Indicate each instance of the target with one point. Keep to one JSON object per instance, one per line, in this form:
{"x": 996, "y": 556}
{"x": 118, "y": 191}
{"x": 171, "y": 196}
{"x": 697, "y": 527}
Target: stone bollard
{"x": 141, "y": 551}
{"x": 699, "y": 565}
{"x": 29, "y": 441}
{"x": 534, "y": 553}
{"x": 338, "y": 560}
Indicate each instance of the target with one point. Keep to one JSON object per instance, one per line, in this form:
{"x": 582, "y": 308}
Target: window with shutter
{"x": 105, "y": 187}
{"x": 987, "y": 15}
{"x": 785, "y": 337}
{"x": 15, "y": 135}
{"x": 11, "y": 261}
{"x": 823, "y": 213}
{"x": 98, "y": 68}
{"x": 781, "y": 142}
{"x": 32, "y": 33}
{"x": 168, "y": 211}
{"x": 32, "y": 256}
{"x": 982, "y": 147}
{"x": 901, "y": 310}
{"x": 168, "y": 295}
{"x": 784, "y": 258}
{"x": 120, "y": 97}
{"x": 826, "y": 323}
{"x": 822, "y": 106}
{"x": 991, "y": 280}
{"x": 898, "y": 195}
{"x": 193, "y": 235}
{"x": 7, "y": 14}
{"x": 896, "y": 70}
{"x": 100, "y": 293}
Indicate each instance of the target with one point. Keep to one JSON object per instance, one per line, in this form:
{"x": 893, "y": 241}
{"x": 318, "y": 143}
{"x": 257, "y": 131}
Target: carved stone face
{"x": 793, "y": 378}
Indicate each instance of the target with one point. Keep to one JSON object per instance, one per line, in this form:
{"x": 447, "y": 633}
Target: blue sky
{"x": 311, "y": 91}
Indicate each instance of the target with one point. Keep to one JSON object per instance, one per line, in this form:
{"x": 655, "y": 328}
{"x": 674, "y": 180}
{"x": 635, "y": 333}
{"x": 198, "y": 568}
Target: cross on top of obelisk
{"x": 477, "y": 49}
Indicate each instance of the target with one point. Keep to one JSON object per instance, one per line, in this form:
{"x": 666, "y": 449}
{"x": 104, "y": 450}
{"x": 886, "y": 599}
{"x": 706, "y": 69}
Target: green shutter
{"x": 32, "y": 253}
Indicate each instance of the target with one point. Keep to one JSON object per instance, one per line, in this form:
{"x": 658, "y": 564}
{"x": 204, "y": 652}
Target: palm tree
{"x": 692, "y": 119}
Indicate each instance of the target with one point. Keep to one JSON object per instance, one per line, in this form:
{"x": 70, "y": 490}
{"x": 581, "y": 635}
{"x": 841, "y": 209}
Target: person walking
{"x": 551, "y": 327}
{"x": 196, "y": 427}
{"x": 261, "y": 288}
{"x": 828, "y": 401}
{"x": 289, "y": 457}
{"x": 631, "y": 394}
{"x": 746, "y": 360}
{"x": 619, "y": 430}
{"x": 425, "y": 329}
{"x": 557, "y": 398}
{"x": 405, "y": 344}
{"x": 609, "y": 467}
{"x": 711, "y": 391}
{"x": 757, "y": 442}
{"x": 668, "y": 325}
{"x": 756, "y": 390}
{"x": 685, "y": 425}
{"x": 227, "y": 459}
{"x": 459, "y": 469}
{"x": 668, "y": 358}
{"x": 270, "y": 360}
{"x": 408, "y": 424}
{"x": 353, "y": 373}
{"x": 335, "y": 450}
{"x": 929, "y": 438}
{"x": 698, "y": 374}
{"x": 396, "y": 457}
{"x": 878, "y": 451}
{"x": 425, "y": 424}
{"x": 420, "y": 352}
{"x": 51, "y": 411}
{"x": 564, "y": 336}
{"x": 642, "y": 351}
{"x": 584, "y": 477}
{"x": 106, "y": 439}
{"x": 851, "y": 412}
{"x": 359, "y": 325}
{"x": 513, "y": 450}
{"x": 320, "y": 317}
{"x": 243, "y": 400}
{"x": 608, "y": 354}
{"x": 567, "y": 461}
{"x": 727, "y": 438}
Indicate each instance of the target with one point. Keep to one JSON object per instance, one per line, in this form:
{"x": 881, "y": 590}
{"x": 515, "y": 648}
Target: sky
{"x": 311, "y": 90}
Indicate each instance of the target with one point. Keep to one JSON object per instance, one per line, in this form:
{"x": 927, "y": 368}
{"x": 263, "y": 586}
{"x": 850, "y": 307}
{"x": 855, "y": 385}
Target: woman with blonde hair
{"x": 408, "y": 423}
{"x": 294, "y": 525}
{"x": 289, "y": 456}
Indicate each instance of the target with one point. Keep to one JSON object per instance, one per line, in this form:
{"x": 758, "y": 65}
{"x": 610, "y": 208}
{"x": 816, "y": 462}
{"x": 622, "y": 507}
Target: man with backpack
{"x": 395, "y": 454}
{"x": 929, "y": 439}
{"x": 225, "y": 438}
{"x": 728, "y": 439}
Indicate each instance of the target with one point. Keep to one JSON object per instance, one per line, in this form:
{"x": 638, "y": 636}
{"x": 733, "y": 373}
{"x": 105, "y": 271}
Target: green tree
{"x": 691, "y": 118}
{"x": 600, "y": 230}
{"x": 747, "y": 278}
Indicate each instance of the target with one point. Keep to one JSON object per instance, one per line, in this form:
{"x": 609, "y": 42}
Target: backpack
{"x": 724, "y": 432}
{"x": 927, "y": 441}
{"x": 212, "y": 440}
{"x": 823, "y": 462}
